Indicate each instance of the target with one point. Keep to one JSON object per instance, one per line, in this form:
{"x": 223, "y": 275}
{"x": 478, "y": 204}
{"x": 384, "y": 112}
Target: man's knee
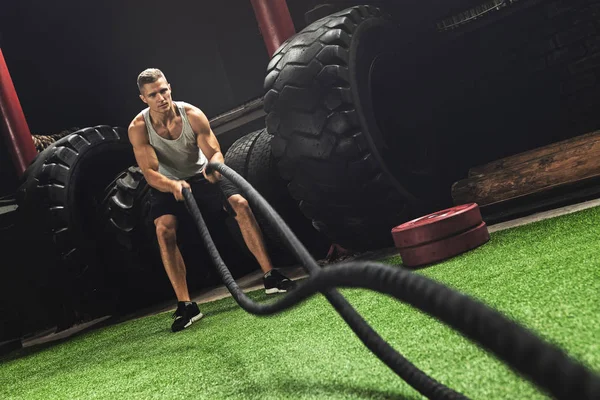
{"x": 166, "y": 230}
{"x": 240, "y": 205}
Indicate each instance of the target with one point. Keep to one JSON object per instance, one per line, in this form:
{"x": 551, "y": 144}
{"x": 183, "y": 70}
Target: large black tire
{"x": 58, "y": 201}
{"x": 251, "y": 157}
{"x": 340, "y": 163}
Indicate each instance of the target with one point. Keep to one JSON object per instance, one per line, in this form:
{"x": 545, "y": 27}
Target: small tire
{"x": 134, "y": 266}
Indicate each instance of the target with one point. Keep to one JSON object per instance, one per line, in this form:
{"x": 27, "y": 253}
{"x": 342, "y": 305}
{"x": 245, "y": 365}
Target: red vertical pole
{"x": 14, "y": 126}
{"x": 275, "y": 22}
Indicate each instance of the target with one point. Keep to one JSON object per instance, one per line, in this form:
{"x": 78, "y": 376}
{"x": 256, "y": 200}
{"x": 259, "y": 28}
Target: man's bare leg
{"x": 250, "y": 231}
{"x": 166, "y": 233}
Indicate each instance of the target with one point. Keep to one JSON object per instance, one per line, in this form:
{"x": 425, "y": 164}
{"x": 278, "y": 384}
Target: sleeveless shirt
{"x": 179, "y": 158}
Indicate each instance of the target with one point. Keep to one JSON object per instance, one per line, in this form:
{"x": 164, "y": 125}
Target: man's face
{"x": 157, "y": 95}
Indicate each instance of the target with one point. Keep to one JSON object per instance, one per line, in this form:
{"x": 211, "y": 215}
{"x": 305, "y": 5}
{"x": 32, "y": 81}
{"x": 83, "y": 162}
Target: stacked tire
{"x": 251, "y": 157}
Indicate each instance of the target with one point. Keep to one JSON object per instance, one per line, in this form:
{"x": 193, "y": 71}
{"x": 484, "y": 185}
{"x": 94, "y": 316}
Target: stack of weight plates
{"x": 441, "y": 235}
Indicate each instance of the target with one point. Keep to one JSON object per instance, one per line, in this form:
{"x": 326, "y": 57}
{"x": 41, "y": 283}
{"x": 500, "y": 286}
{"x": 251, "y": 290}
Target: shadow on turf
{"x": 326, "y": 389}
{"x": 257, "y": 295}
{"x": 27, "y": 351}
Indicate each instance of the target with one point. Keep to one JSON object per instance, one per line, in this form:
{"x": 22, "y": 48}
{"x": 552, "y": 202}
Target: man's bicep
{"x": 208, "y": 143}
{"x": 146, "y": 157}
{"x": 144, "y": 153}
{"x": 205, "y": 137}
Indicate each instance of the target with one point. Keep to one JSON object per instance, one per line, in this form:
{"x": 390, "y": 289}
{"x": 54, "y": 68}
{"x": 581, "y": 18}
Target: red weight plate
{"x": 446, "y": 248}
{"x": 437, "y": 226}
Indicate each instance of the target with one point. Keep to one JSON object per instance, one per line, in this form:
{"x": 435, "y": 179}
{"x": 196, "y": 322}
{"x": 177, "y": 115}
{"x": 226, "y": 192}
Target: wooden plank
{"x": 236, "y": 113}
{"x": 239, "y": 121}
{"x": 558, "y": 168}
{"x": 528, "y": 156}
{"x": 560, "y": 196}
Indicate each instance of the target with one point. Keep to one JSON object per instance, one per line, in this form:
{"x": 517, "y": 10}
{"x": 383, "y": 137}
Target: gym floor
{"x": 253, "y": 280}
{"x": 543, "y": 275}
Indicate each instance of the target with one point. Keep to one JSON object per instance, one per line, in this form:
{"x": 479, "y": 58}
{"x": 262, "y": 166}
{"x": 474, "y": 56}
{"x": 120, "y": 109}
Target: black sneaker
{"x": 275, "y": 282}
{"x": 185, "y": 315}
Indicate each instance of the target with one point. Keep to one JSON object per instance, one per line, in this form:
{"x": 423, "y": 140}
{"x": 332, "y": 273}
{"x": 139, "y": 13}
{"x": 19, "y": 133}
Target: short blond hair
{"x": 149, "y": 75}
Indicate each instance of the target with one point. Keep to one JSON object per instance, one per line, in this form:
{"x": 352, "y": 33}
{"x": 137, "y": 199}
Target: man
{"x": 172, "y": 142}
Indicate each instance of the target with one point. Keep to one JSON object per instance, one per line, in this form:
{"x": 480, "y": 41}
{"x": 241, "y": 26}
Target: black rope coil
{"x": 545, "y": 365}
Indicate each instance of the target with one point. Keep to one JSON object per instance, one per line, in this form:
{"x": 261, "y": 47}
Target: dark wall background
{"x": 75, "y": 63}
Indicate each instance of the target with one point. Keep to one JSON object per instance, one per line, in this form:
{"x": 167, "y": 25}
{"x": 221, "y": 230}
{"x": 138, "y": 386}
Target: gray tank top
{"x": 179, "y": 158}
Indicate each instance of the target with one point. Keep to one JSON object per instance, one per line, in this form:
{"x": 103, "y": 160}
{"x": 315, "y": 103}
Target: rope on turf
{"x": 544, "y": 364}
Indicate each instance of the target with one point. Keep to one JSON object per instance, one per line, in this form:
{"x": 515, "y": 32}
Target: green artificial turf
{"x": 545, "y": 275}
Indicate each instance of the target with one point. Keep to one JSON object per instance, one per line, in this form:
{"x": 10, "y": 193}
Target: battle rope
{"x": 544, "y": 364}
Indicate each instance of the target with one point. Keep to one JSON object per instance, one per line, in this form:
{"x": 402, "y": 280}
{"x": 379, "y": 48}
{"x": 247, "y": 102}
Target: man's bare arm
{"x": 206, "y": 139}
{"x": 146, "y": 158}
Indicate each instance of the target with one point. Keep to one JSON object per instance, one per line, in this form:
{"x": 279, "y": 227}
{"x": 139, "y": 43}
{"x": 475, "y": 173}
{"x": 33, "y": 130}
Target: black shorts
{"x": 211, "y": 198}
